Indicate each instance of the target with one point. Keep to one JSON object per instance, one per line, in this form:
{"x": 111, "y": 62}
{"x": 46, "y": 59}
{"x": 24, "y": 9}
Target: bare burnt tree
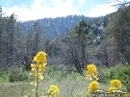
{"x": 32, "y": 44}
{"x": 103, "y": 54}
{"x": 78, "y": 45}
{"x": 75, "y": 57}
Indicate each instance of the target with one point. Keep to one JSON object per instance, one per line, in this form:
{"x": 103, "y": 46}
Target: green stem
{"x": 37, "y": 84}
{"x": 37, "y": 87}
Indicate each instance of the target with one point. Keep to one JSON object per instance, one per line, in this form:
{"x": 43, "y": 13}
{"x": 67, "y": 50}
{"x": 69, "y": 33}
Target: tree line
{"x": 77, "y": 48}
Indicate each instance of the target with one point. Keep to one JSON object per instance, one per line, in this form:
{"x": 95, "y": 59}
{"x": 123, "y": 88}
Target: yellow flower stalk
{"x": 38, "y": 68}
{"x": 53, "y": 90}
{"x": 93, "y": 86}
{"x": 91, "y": 72}
{"x": 115, "y": 86}
{"x": 116, "y": 83}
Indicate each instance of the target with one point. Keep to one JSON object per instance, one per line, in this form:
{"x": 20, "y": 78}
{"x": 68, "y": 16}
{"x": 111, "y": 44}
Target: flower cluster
{"x": 38, "y": 65}
{"x": 115, "y": 85}
{"x": 91, "y": 72}
{"x": 93, "y": 86}
{"x": 38, "y": 69}
{"x": 53, "y": 90}
{"x": 40, "y": 57}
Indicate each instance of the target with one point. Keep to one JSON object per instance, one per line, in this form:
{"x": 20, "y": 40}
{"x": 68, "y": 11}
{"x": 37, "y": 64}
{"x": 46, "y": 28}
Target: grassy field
{"x": 68, "y": 87}
{"x": 71, "y": 84}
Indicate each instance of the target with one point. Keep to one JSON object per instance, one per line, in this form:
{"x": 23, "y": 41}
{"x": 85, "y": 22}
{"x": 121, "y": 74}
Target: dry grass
{"x": 14, "y": 89}
{"x": 68, "y": 88}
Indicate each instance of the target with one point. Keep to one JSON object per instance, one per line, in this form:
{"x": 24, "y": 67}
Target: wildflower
{"x": 40, "y": 76}
{"x": 33, "y": 90}
{"x": 41, "y": 94}
{"x": 53, "y": 90}
{"x": 112, "y": 89}
{"x": 38, "y": 68}
{"x": 25, "y": 96}
{"x": 41, "y": 67}
{"x": 34, "y": 83}
{"x": 40, "y": 57}
{"x": 116, "y": 83}
{"x": 33, "y": 67}
{"x": 93, "y": 86}
{"x": 91, "y": 72}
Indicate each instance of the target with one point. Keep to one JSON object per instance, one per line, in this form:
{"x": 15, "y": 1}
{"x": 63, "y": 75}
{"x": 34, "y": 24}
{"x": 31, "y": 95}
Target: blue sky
{"x": 37, "y": 9}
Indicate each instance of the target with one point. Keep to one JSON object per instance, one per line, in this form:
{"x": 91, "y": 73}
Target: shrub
{"x": 16, "y": 73}
{"x": 3, "y": 76}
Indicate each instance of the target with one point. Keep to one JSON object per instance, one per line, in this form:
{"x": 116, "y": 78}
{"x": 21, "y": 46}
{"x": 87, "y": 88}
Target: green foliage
{"x": 119, "y": 30}
{"x": 127, "y": 95}
{"x": 13, "y": 74}
{"x": 124, "y": 75}
{"x": 16, "y": 73}
{"x": 121, "y": 73}
{"x": 3, "y": 76}
{"x": 58, "y": 73}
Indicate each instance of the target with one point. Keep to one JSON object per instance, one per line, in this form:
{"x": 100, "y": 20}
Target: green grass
{"x": 71, "y": 84}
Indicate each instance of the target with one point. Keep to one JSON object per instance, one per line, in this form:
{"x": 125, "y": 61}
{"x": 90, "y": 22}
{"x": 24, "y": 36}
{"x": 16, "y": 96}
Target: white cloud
{"x": 42, "y": 8}
{"x": 102, "y": 10}
{"x": 81, "y": 2}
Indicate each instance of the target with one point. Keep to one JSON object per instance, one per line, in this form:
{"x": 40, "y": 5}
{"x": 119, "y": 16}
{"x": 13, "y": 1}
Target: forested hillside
{"x": 55, "y": 27}
{"x": 72, "y": 40}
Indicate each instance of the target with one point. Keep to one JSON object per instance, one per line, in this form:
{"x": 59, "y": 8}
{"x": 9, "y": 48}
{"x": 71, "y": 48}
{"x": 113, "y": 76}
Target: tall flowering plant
{"x": 92, "y": 74}
{"x": 53, "y": 90}
{"x": 115, "y": 85}
{"x": 38, "y": 68}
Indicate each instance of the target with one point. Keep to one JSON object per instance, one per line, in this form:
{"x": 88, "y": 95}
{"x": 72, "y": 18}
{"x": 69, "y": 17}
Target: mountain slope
{"x": 55, "y": 27}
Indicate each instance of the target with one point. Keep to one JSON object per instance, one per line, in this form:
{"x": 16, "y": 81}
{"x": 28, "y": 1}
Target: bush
{"x": 121, "y": 73}
{"x": 3, "y": 76}
{"x": 16, "y": 73}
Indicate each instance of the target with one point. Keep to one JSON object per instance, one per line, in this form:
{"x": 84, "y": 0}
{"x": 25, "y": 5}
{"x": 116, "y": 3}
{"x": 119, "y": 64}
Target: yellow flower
{"x": 25, "y": 96}
{"x": 33, "y": 90}
{"x": 38, "y": 66}
{"x": 91, "y": 72}
{"x": 112, "y": 89}
{"x": 34, "y": 83}
{"x": 93, "y": 86}
{"x": 41, "y": 67}
{"x": 33, "y": 67}
{"x": 41, "y": 93}
{"x": 42, "y": 96}
{"x": 40, "y": 76}
{"x": 116, "y": 83}
{"x": 40, "y": 57}
{"x": 53, "y": 90}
